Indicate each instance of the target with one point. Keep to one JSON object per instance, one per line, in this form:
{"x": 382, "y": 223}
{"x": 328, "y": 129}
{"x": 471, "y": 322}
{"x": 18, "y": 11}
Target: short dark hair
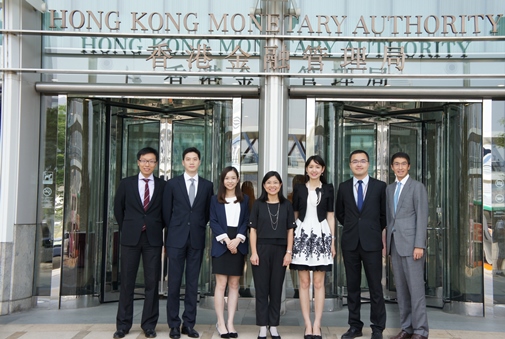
{"x": 400, "y": 155}
{"x": 264, "y": 196}
{"x": 147, "y": 150}
{"x": 221, "y": 191}
{"x": 191, "y": 150}
{"x": 359, "y": 151}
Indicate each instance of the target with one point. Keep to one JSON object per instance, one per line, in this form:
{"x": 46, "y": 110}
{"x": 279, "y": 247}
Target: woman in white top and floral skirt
{"x": 314, "y": 243}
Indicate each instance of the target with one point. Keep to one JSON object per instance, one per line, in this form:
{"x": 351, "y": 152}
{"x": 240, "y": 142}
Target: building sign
{"x": 238, "y": 23}
{"x": 240, "y": 47}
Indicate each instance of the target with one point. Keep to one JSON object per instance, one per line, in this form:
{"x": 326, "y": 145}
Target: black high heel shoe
{"x": 224, "y": 335}
{"x": 233, "y": 334}
{"x": 307, "y": 336}
{"x": 318, "y": 336}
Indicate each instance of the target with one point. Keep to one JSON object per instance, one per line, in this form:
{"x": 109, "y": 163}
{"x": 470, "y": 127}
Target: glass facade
{"x": 493, "y": 200}
{"x": 423, "y": 78}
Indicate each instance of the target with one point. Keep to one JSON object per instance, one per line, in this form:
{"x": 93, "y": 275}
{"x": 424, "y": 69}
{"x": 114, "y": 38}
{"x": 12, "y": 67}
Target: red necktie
{"x": 146, "y": 199}
{"x": 146, "y": 194}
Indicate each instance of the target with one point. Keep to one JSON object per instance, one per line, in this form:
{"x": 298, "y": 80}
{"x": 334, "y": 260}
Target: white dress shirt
{"x": 188, "y": 182}
{"x": 364, "y": 186}
{"x": 142, "y": 186}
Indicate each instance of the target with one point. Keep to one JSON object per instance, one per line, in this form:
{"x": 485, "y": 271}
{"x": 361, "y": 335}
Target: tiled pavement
{"x": 45, "y": 321}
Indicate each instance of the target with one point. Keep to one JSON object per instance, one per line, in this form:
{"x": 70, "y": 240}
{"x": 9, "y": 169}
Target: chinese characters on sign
{"x": 278, "y": 60}
{"x": 314, "y": 57}
{"x": 239, "y": 60}
{"x": 160, "y": 54}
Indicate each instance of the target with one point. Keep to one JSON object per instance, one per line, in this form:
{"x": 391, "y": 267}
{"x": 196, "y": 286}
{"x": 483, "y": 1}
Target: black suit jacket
{"x": 365, "y": 226}
{"x": 182, "y": 219}
{"x": 219, "y": 225}
{"x": 130, "y": 214}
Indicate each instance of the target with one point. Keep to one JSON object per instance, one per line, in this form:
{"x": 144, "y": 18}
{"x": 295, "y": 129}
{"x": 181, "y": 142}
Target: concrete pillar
{"x": 273, "y": 119}
{"x": 19, "y": 150}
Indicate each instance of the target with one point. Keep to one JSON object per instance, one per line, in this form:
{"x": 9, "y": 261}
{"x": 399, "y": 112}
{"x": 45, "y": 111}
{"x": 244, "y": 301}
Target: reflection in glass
{"x": 463, "y": 203}
{"x": 83, "y": 202}
{"x": 494, "y": 202}
{"x": 51, "y": 243}
{"x": 249, "y": 157}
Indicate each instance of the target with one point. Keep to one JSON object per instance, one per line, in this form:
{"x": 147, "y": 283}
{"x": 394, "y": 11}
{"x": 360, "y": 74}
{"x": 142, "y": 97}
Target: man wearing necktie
{"x": 186, "y": 212}
{"x": 137, "y": 208}
{"x": 407, "y": 222}
{"x": 361, "y": 209}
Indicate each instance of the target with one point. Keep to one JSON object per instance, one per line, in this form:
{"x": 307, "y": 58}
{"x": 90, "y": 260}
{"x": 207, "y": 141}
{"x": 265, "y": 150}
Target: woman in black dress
{"x": 229, "y": 214}
{"x": 271, "y": 237}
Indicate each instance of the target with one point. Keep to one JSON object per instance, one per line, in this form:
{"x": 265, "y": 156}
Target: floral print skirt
{"x": 312, "y": 245}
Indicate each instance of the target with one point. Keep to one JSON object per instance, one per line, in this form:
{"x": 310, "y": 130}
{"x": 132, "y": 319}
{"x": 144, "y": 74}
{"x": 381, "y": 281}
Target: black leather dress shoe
{"x": 352, "y": 333}
{"x": 190, "y": 332}
{"x": 402, "y": 335}
{"x": 120, "y": 334}
{"x": 376, "y": 335}
{"x": 150, "y": 333}
{"x": 175, "y": 333}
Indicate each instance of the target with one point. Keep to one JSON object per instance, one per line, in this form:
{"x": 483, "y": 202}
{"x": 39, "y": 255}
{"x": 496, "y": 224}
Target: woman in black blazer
{"x": 314, "y": 244}
{"x": 229, "y": 215}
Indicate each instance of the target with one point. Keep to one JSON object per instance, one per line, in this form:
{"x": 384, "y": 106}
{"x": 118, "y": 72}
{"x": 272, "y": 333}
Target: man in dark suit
{"x": 186, "y": 209}
{"x": 407, "y": 217}
{"x": 361, "y": 209}
{"x": 137, "y": 208}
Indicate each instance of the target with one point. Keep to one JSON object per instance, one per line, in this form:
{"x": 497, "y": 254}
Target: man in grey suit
{"x": 407, "y": 221}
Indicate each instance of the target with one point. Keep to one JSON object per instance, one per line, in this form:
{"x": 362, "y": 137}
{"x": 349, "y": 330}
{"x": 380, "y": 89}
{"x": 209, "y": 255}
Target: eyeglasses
{"x": 145, "y": 162}
{"x": 400, "y": 164}
{"x": 362, "y": 161}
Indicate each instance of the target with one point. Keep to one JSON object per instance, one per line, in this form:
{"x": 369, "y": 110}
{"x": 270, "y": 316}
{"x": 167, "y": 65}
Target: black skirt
{"x": 229, "y": 264}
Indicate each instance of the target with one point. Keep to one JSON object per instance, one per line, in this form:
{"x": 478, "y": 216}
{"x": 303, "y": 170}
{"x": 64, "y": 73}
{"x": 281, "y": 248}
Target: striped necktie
{"x": 146, "y": 194}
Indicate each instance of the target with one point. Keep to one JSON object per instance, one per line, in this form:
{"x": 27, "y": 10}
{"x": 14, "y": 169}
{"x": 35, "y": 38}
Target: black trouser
{"x": 268, "y": 282}
{"x": 130, "y": 259}
{"x": 186, "y": 260}
{"x": 372, "y": 263}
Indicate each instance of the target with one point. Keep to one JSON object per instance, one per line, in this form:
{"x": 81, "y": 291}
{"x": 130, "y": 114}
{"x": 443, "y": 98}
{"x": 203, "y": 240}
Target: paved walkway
{"x": 45, "y": 321}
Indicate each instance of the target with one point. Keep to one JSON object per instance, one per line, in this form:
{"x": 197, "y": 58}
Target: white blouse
{"x": 232, "y": 211}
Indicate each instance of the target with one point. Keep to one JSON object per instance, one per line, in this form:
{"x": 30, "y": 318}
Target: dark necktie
{"x": 360, "y": 195}
{"x": 146, "y": 194}
{"x": 192, "y": 191}
{"x": 146, "y": 199}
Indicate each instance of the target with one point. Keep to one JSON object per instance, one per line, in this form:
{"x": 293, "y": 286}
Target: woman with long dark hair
{"x": 229, "y": 214}
{"x": 271, "y": 236}
{"x": 314, "y": 244}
